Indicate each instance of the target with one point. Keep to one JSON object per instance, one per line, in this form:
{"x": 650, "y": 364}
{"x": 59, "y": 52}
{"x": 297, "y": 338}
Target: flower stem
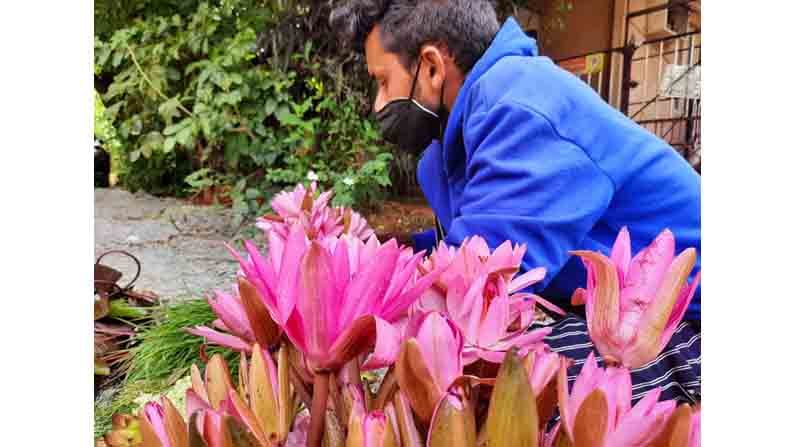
{"x": 317, "y": 416}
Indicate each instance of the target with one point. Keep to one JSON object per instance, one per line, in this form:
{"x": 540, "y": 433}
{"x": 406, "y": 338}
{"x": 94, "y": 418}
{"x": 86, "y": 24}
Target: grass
{"x": 163, "y": 353}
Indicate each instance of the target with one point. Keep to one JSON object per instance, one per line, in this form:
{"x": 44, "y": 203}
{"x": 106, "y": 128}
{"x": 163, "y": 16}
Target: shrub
{"x": 202, "y": 93}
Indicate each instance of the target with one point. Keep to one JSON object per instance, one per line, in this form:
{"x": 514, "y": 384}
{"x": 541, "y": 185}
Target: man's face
{"x": 392, "y": 78}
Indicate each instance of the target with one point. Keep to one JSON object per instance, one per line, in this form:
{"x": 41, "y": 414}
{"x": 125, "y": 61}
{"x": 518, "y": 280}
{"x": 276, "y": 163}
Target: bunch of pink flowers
{"x": 449, "y": 331}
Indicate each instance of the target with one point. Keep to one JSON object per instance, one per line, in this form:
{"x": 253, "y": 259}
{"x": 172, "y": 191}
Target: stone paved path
{"x": 180, "y": 245}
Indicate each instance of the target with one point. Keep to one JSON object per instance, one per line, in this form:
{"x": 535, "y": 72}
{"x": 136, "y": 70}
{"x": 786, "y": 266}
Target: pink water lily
{"x": 340, "y": 296}
{"x": 263, "y": 403}
{"x": 275, "y": 276}
{"x": 370, "y": 429}
{"x": 297, "y": 437}
{"x": 430, "y": 361}
{"x": 478, "y": 290}
{"x": 599, "y": 413}
{"x": 694, "y": 439}
{"x": 153, "y": 417}
{"x": 541, "y": 365}
{"x": 311, "y": 209}
{"x": 236, "y": 312}
{"x": 633, "y": 305}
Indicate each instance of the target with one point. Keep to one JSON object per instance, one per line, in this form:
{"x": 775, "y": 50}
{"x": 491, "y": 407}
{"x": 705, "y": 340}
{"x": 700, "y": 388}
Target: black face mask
{"x": 408, "y": 124}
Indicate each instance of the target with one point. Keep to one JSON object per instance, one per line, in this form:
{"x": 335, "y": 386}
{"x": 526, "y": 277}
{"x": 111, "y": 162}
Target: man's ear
{"x": 433, "y": 61}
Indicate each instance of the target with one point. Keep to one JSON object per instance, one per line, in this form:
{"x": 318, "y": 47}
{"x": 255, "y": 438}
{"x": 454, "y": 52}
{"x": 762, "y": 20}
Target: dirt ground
{"x": 400, "y": 219}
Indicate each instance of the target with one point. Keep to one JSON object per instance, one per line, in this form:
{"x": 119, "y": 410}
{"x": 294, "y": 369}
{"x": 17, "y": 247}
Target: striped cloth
{"x": 677, "y": 370}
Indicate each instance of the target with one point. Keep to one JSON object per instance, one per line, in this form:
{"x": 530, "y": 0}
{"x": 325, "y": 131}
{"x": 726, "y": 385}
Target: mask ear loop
{"x": 416, "y": 75}
{"x": 442, "y": 113}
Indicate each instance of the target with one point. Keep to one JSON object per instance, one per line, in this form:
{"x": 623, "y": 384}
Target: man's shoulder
{"x": 532, "y": 82}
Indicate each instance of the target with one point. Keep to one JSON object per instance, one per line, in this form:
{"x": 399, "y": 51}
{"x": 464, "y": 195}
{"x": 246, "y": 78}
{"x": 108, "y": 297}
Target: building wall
{"x": 587, "y": 29}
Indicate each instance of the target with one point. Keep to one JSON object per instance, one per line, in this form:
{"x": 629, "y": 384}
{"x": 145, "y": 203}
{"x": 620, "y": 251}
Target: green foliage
{"x": 166, "y": 351}
{"x": 163, "y": 353}
{"x": 192, "y": 109}
{"x": 106, "y": 133}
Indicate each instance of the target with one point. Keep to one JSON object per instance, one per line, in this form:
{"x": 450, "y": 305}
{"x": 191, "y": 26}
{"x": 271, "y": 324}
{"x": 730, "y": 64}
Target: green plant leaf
{"x": 185, "y": 136}
{"x": 169, "y": 144}
{"x": 270, "y": 106}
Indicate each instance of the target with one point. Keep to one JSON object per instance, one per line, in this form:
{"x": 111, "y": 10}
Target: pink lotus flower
{"x": 430, "y": 361}
{"x": 312, "y": 210}
{"x": 599, "y": 413}
{"x": 633, "y": 306}
{"x": 478, "y": 292}
{"x": 337, "y": 298}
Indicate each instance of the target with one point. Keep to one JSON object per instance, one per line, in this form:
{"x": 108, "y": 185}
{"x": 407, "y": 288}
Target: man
{"x": 515, "y": 148}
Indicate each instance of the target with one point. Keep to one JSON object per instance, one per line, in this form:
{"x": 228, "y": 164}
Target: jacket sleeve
{"x": 424, "y": 240}
{"x": 527, "y": 184}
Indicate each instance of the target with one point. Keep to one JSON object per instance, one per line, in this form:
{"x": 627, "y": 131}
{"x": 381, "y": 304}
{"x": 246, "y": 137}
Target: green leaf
{"x": 175, "y": 128}
{"x": 185, "y": 136}
{"x": 270, "y": 106}
{"x": 253, "y": 193}
{"x": 153, "y": 141}
{"x": 117, "y": 57}
{"x": 168, "y": 110}
{"x": 168, "y": 145}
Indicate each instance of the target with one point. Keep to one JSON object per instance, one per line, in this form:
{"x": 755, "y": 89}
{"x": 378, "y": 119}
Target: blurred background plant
{"x": 242, "y": 96}
{"x": 231, "y": 100}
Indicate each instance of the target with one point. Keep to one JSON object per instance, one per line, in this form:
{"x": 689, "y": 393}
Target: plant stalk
{"x": 317, "y": 416}
{"x": 152, "y": 85}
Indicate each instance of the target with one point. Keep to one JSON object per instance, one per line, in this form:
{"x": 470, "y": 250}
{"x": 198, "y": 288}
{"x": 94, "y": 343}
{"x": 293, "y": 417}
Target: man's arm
{"x": 527, "y": 184}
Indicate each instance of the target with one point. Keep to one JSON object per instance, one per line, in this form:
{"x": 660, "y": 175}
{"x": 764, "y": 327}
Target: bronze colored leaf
{"x": 266, "y": 331}
{"x": 512, "y": 417}
{"x": 148, "y": 434}
{"x": 194, "y": 437}
{"x": 590, "y": 424}
{"x": 390, "y": 437}
{"x": 387, "y": 389}
{"x": 197, "y": 383}
{"x": 358, "y": 338}
{"x": 546, "y": 403}
{"x": 263, "y": 399}
{"x": 239, "y": 435}
{"x": 416, "y": 380}
{"x": 562, "y": 439}
{"x": 604, "y": 318}
{"x": 242, "y": 379}
{"x": 218, "y": 380}
{"x": 453, "y": 424}
{"x": 176, "y": 429}
{"x": 409, "y": 435}
{"x": 248, "y": 417}
{"x": 677, "y": 431}
{"x": 286, "y": 395}
{"x": 334, "y": 435}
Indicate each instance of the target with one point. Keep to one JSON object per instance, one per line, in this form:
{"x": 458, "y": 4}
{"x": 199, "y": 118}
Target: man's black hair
{"x": 464, "y": 27}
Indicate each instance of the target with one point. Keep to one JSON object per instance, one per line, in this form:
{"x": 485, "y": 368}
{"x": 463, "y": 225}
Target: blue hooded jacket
{"x": 533, "y": 155}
